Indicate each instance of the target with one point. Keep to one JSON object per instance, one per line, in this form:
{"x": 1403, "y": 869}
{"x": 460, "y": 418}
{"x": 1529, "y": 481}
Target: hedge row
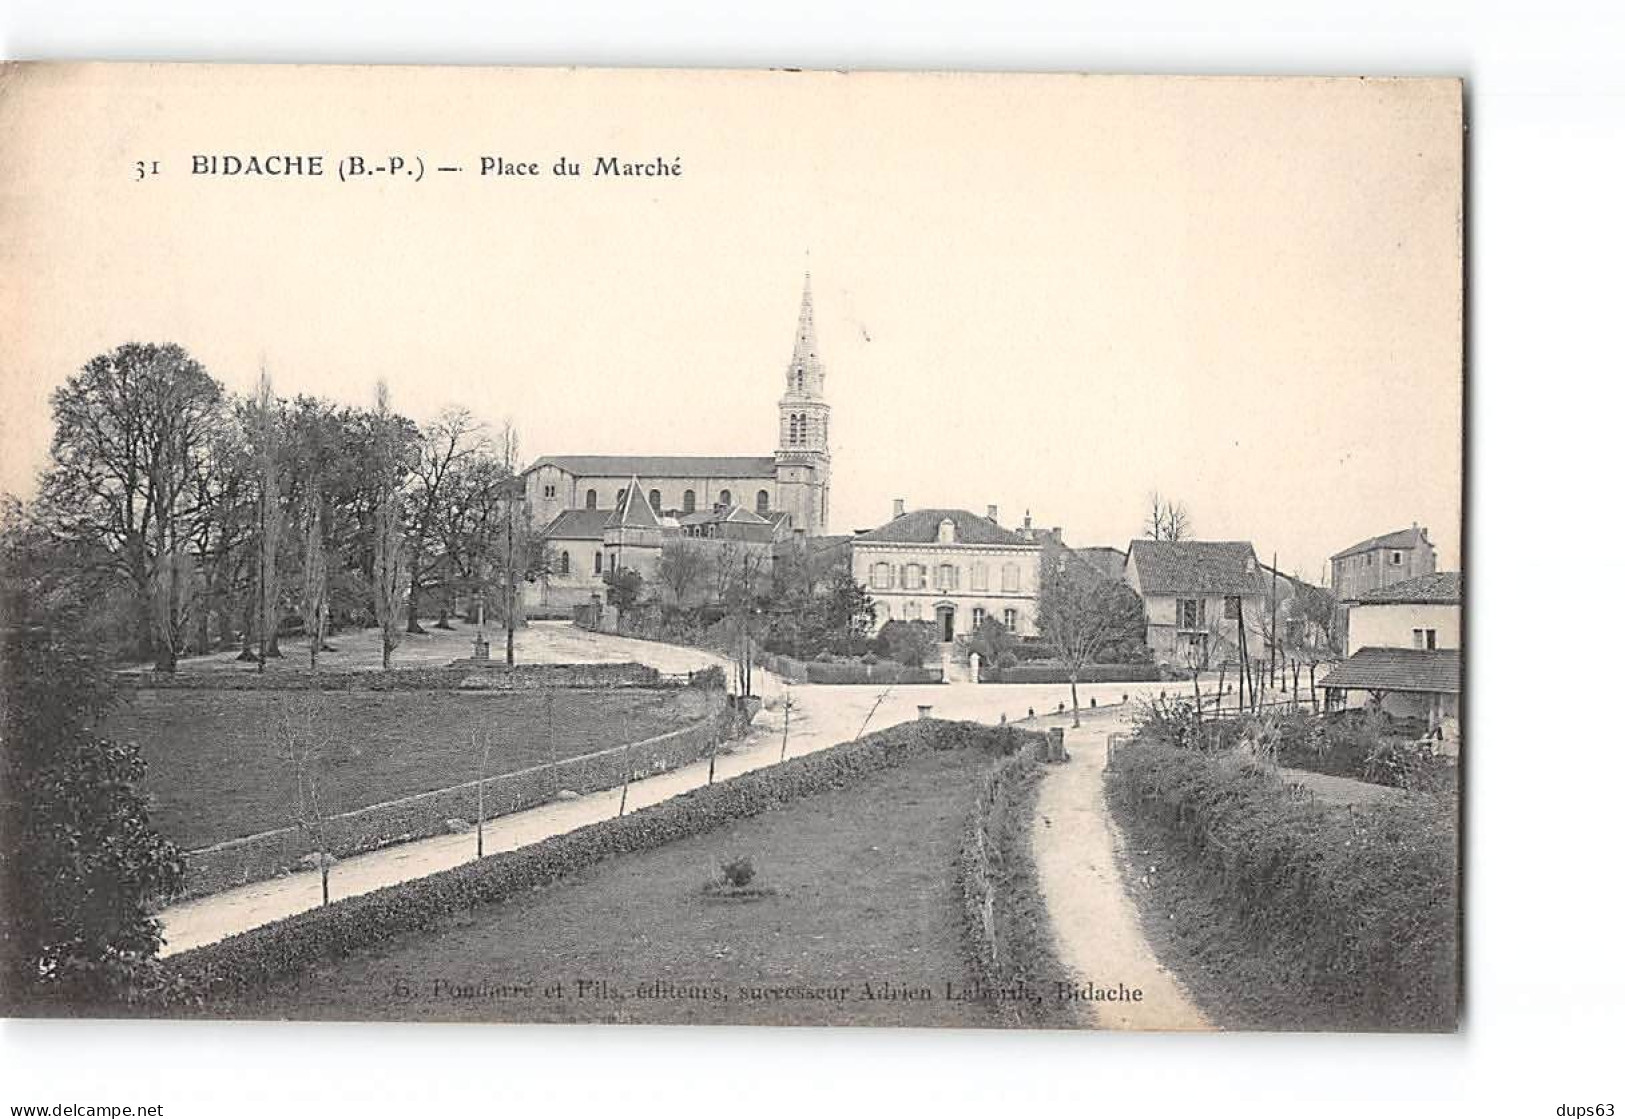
{"x": 437, "y": 678}
{"x": 837, "y": 672}
{"x": 1012, "y": 948}
{"x": 260, "y": 956}
{"x": 255, "y": 858}
{"x": 1355, "y": 906}
{"x": 1033, "y": 673}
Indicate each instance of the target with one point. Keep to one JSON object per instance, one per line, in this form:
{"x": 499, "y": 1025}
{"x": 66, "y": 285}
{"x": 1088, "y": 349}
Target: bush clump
{"x": 738, "y": 871}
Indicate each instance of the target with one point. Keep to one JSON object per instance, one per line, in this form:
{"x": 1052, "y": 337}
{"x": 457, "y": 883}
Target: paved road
{"x": 1097, "y": 927}
{"x": 820, "y": 716}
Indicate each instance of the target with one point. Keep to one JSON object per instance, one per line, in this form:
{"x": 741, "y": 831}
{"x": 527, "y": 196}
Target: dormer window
{"x": 945, "y": 531}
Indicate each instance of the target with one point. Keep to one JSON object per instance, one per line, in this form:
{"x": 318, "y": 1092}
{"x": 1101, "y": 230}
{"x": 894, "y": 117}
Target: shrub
{"x": 712, "y": 678}
{"x": 738, "y": 871}
{"x": 908, "y": 643}
{"x": 870, "y": 659}
{"x": 1354, "y": 906}
{"x": 1007, "y": 659}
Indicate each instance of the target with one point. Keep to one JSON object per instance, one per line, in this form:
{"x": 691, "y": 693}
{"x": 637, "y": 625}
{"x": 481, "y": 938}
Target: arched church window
{"x": 592, "y": 499}
{"x": 688, "y": 501}
{"x": 564, "y": 562}
{"x": 654, "y": 500}
{"x": 726, "y": 497}
{"x": 761, "y": 502}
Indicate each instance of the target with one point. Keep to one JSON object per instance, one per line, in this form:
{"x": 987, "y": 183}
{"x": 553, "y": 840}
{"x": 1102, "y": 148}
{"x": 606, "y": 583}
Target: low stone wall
{"x": 846, "y": 672}
{"x": 255, "y": 858}
{"x": 496, "y": 676}
{"x": 1059, "y": 674}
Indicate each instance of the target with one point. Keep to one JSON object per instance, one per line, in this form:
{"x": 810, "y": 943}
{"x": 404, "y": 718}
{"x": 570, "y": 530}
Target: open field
{"x": 857, "y": 888}
{"x": 216, "y": 772}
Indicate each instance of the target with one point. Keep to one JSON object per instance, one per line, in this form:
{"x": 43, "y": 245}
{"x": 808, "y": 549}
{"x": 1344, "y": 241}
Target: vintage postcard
{"x": 770, "y": 548}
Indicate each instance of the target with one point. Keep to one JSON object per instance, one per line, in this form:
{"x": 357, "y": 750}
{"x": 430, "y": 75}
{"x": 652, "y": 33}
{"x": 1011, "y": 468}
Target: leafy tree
{"x": 622, "y": 588}
{"x": 132, "y": 430}
{"x": 453, "y": 444}
{"x": 1080, "y": 613}
{"x": 81, "y": 870}
{"x": 991, "y": 640}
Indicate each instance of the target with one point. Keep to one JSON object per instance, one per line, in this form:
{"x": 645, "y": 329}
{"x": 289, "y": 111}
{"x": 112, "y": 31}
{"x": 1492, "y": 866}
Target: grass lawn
{"x": 215, "y": 771}
{"x": 862, "y": 893}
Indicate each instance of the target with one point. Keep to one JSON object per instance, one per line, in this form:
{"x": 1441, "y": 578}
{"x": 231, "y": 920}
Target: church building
{"x": 580, "y": 501}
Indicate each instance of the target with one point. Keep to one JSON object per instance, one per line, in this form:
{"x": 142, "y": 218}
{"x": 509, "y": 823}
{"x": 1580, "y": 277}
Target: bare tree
{"x": 684, "y": 566}
{"x": 741, "y": 569}
{"x": 1081, "y": 613}
{"x": 270, "y": 512}
{"x": 513, "y": 562}
{"x": 480, "y": 740}
{"x": 452, "y": 443}
{"x": 389, "y": 568}
{"x": 303, "y": 743}
{"x": 314, "y": 601}
{"x": 1168, "y": 519}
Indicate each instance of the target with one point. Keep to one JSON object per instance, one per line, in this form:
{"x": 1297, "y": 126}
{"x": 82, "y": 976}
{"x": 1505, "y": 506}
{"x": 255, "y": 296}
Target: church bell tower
{"x": 802, "y": 460}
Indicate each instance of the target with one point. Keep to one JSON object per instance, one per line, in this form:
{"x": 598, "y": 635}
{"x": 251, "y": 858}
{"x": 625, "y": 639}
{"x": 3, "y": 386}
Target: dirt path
{"x": 1097, "y": 929}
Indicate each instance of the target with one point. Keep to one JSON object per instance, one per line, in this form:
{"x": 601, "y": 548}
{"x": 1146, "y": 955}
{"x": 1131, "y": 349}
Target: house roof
{"x": 1108, "y": 561}
{"x": 633, "y": 510}
{"x": 1412, "y": 537}
{"x": 1398, "y": 670}
{"x": 1196, "y": 567}
{"x": 920, "y": 527}
{"x": 660, "y": 466}
{"x": 577, "y": 524}
{"x": 1439, "y": 587}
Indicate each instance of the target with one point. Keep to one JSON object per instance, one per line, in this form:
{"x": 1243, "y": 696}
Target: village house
{"x": 1405, "y": 651}
{"x": 950, "y": 567}
{"x": 1378, "y": 562}
{"x": 1195, "y": 593}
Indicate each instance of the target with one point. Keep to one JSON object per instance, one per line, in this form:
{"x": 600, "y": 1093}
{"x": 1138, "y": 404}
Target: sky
{"x": 1049, "y": 293}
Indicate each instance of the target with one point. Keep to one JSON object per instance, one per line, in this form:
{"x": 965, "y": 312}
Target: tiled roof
{"x": 660, "y": 466}
{"x": 1398, "y": 670}
{"x": 920, "y": 527}
{"x": 1403, "y": 538}
{"x": 1108, "y": 561}
{"x": 577, "y": 524}
{"x": 1439, "y": 587}
{"x": 1196, "y": 567}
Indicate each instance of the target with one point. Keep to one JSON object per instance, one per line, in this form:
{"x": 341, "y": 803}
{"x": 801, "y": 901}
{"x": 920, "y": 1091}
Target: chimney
{"x": 1056, "y": 532}
{"x": 896, "y": 507}
{"x": 1027, "y": 522}
{"x": 993, "y": 513}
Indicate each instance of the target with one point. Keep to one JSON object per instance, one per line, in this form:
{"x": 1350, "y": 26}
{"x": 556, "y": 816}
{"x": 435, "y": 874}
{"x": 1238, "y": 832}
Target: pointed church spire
{"x": 805, "y": 375}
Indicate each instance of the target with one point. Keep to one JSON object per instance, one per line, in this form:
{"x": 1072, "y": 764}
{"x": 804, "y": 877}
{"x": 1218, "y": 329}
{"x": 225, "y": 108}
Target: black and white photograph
{"x": 741, "y": 567}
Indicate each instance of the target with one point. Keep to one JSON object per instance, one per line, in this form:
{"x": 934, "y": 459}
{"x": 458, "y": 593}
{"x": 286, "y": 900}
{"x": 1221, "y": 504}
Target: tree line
{"x": 197, "y": 520}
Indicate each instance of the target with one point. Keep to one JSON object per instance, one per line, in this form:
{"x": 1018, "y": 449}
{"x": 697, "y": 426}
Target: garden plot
{"x": 216, "y": 770}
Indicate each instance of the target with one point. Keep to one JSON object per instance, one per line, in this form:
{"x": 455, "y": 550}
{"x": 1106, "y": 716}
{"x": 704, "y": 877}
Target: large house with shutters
{"x": 577, "y": 501}
{"x": 950, "y": 567}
